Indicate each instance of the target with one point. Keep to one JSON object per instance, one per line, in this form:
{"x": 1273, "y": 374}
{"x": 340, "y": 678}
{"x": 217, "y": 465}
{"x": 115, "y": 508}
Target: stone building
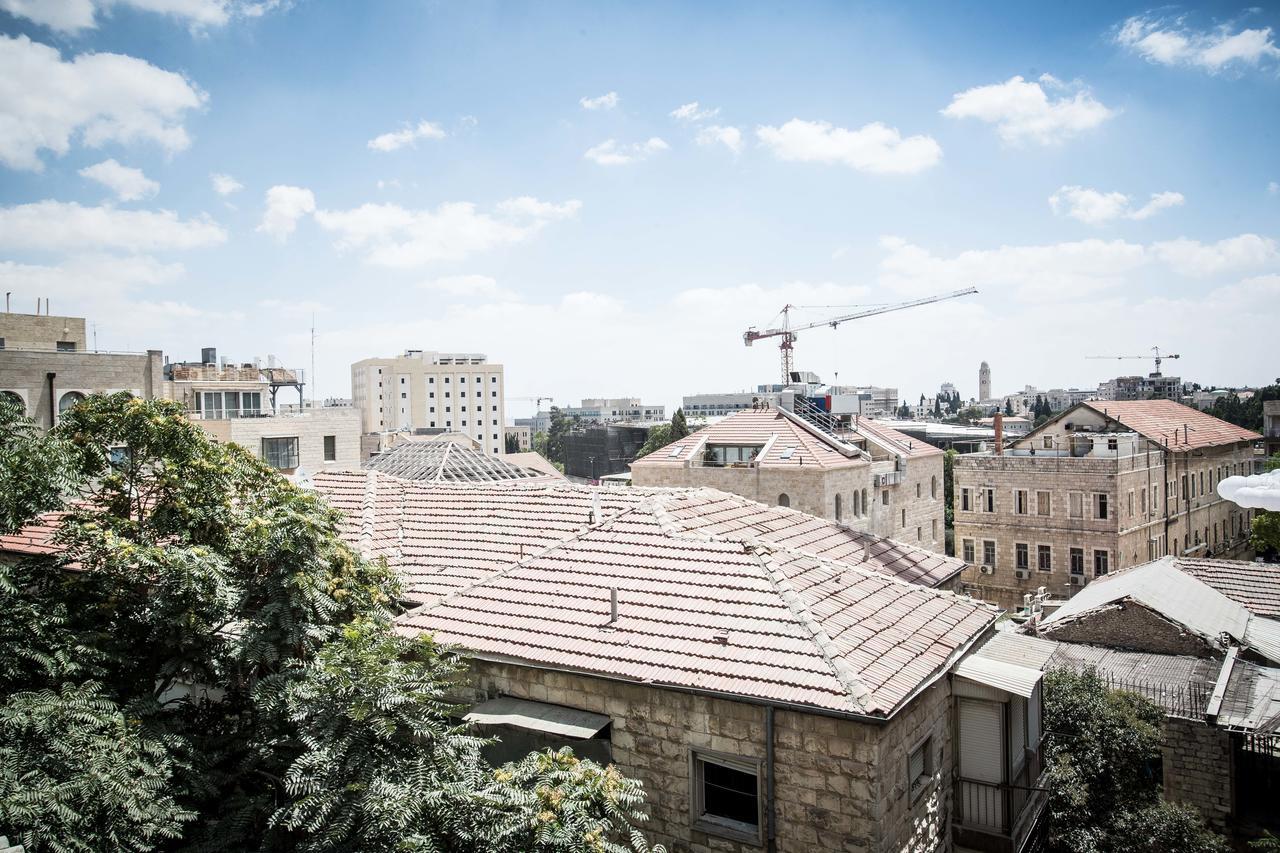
{"x": 1199, "y": 639}
{"x": 1101, "y": 486}
{"x": 1271, "y": 426}
{"x": 859, "y": 473}
{"x": 424, "y": 390}
{"x": 46, "y": 367}
{"x": 770, "y": 680}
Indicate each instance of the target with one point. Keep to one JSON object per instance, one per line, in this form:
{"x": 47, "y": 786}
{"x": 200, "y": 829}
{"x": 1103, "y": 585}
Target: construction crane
{"x": 537, "y": 401}
{"x": 1158, "y": 358}
{"x": 788, "y": 332}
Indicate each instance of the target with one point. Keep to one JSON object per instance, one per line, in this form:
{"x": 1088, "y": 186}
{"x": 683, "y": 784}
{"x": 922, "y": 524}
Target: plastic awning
{"x": 538, "y": 716}
{"x": 1009, "y": 677}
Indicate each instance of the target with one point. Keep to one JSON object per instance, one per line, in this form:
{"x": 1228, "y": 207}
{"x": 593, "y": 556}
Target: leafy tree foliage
{"x": 511, "y": 443}
{"x": 206, "y": 665}
{"x": 679, "y": 427}
{"x": 1245, "y": 413}
{"x": 663, "y": 434}
{"x": 1102, "y": 746}
{"x": 1008, "y": 407}
{"x": 948, "y": 485}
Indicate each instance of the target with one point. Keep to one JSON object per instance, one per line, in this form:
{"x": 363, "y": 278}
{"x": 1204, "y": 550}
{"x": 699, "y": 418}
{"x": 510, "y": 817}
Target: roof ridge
{"x": 855, "y": 690}
{"x": 671, "y": 526}
{"x": 368, "y": 512}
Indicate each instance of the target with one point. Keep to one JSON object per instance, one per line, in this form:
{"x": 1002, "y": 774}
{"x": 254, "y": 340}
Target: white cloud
{"x": 285, "y": 206}
{"x": 613, "y": 153}
{"x": 1193, "y": 258}
{"x": 72, "y": 16}
{"x": 294, "y": 307}
{"x": 468, "y": 287}
{"x": 872, "y": 148}
{"x": 128, "y": 183}
{"x": 1024, "y": 111}
{"x": 1255, "y": 491}
{"x": 67, "y": 226}
{"x": 394, "y": 236}
{"x": 729, "y": 137}
{"x": 97, "y": 97}
{"x": 692, "y": 112}
{"x": 224, "y": 184}
{"x": 406, "y": 136}
{"x": 1168, "y": 41}
{"x": 603, "y": 102}
{"x": 1093, "y": 207}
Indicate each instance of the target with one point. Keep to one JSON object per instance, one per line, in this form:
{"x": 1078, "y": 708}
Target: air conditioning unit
{"x": 1022, "y": 574}
{"x": 987, "y": 570}
{"x": 1078, "y": 580}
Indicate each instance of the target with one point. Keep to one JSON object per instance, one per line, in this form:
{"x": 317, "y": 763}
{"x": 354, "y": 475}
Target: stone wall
{"x": 41, "y": 331}
{"x": 310, "y": 428}
{"x": 1129, "y": 626}
{"x": 1197, "y": 768}
{"x": 25, "y": 373}
{"x": 839, "y": 784}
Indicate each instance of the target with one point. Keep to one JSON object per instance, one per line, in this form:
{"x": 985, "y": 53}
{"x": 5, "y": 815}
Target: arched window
{"x": 933, "y": 487}
{"x": 10, "y": 397}
{"x": 838, "y": 508}
{"x": 783, "y": 500}
{"x": 857, "y": 507}
{"x": 68, "y": 400}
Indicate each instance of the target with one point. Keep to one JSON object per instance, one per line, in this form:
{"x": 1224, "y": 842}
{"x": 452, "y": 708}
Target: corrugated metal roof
{"x": 715, "y": 592}
{"x": 1002, "y": 675}
{"x": 539, "y": 716}
{"x": 446, "y": 461}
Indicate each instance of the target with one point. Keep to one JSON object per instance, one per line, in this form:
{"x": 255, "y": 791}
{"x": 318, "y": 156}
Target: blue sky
{"x": 520, "y": 179}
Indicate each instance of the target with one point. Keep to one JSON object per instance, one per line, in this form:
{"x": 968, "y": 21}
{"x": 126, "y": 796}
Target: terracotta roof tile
{"x": 1164, "y": 421}
{"x": 1256, "y": 586}
{"x": 712, "y": 594}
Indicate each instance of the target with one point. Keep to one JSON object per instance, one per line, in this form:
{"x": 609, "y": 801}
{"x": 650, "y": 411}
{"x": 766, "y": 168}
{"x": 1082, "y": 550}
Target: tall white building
{"x": 424, "y": 390}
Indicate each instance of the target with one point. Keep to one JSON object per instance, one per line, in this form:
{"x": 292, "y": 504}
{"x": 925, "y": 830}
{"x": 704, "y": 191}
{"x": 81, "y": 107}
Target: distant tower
{"x": 984, "y": 382}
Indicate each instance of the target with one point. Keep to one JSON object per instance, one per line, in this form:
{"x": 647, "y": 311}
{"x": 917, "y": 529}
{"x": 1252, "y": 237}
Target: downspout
{"x": 771, "y": 819}
{"x": 53, "y": 405}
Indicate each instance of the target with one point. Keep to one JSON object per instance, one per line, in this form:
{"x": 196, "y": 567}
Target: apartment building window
{"x": 1185, "y": 493}
{"x": 462, "y": 379}
{"x": 493, "y": 393}
{"x": 884, "y": 498}
{"x": 1142, "y": 501}
{"x": 280, "y": 453}
{"x": 919, "y": 534}
{"x": 1020, "y": 555}
{"x": 1077, "y": 561}
{"x": 1101, "y": 561}
{"x": 920, "y": 768}
{"x": 431, "y": 380}
{"x": 1048, "y": 442}
{"x": 1202, "y": 491}
{"x": 493, "y": 379}
{"x": 988, "y": 500}
{"x": 966, "y": 550}
{"x": 1020, "y": 501}
{"x": 330, "y": 448}
{"x": 904, "y": 518}
{"x": 404, "y": 396}
{"x": 447, "y": 395}
{"x": 933, "y": 487}
{"x": 431, "y": 395}
{"x": 838, "y": 508}
{"x": 965, "y": 503}
{"x": 1131, "y": 502}
{"x": 1043, "y": 503}
{"x": 989, "y": 553}
{"x": 866, "y": 508}
{"x": 401, "y": 380}
{"x": 1044, "y": 558}
{"x": 933, "y": 529}
{"x": 1, "y": 343}
{"x": 66, "y": 346}
{"x": 1100, "y": 505}
{"x": 726, "y": 795}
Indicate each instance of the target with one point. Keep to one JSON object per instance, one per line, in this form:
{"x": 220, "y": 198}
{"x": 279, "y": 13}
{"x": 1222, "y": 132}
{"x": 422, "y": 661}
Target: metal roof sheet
{"x": 1002, "y": 675}
{"x": 538, "y": 716}
{"x": 446, "y": 461}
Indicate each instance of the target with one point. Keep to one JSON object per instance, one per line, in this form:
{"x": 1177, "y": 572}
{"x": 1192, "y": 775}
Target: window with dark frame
{"x": 1077, "y": 561}
{"x": 330, "y": 448}
{"x": 280, "y": 453}
{"x": 968, "y": 551}
{"x": 1020, "y": 558}
{"x": 989, "y": 553}
{"x": 920, "y": 768}
{"x": 1044, "y": 558}
{"x": 726, "y": 795}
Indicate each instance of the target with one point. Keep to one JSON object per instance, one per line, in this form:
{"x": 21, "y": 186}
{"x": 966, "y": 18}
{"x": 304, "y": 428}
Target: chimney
{"x": 613, "y": 605}
{"x": 999, "y": 425}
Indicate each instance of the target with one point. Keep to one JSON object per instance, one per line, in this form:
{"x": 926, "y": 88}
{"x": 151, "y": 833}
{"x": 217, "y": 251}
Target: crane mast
{"x": 1157, "y": 357}
{"x": 787, "y": 332}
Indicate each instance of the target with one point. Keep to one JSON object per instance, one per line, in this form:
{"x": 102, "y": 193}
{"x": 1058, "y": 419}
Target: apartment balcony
{"x": 228, "y": 414}
{"x": 1002, "y": 817}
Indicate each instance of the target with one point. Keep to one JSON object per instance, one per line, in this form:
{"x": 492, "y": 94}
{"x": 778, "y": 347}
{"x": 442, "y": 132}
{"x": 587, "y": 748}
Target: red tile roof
{"x": 1164, "y": 421}
{"x": 715, "y": 592}
{"x": 34, "y": 539}
{"x": 756, "y": 428}
{"x": 1255, "y": 586}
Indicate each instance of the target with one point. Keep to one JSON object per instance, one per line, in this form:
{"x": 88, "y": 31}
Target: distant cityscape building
{"x": 423, "y": 390}
{"x": 855, "y": 472}
{"x": 1101, "y": 486}
{"x": 866, "y": 401}
{"x": 984, "y": 382}
{"x": 1271, "y": 426}
{"x": 524, "y": 437}
{"x": 601, "y": 410}
{"x": 1155, "y": 386}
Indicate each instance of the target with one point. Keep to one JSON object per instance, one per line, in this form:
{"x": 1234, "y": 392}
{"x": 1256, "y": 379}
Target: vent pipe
{"x": 613, "y": 605}
{"x": 595, "y": 508}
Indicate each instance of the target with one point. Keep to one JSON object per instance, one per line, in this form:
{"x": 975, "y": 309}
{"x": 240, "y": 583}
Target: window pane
{"x": 729, "y": 794}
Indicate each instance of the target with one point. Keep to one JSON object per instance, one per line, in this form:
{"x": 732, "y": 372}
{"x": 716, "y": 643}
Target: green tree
{"x": 904, "y": 412}
{"x": 557, "y": 430}
{"x": 1008, "y": 407}
{"x": 948, "y": 485}
{"x": 1101, "y": 747}
{"x": 679, "y": 427}
{"x": 511, "y": 443}
{"x": 206, "y": 665}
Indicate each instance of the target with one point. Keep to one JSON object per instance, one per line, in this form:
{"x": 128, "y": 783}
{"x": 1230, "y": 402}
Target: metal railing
{"x": 1000, "y": 806}
{"x": 229, "y": 414}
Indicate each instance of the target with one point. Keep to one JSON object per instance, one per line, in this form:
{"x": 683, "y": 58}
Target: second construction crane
{"x": 788, "y": 332}
{"x": 1158, "y": 358}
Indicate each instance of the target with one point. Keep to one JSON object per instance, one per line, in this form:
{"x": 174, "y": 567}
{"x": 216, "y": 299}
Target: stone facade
{"x": 42, "y": 332}
{"x": 1156, "y": 501}
{"x": 310, "y": 429}
{"x": 911, "y": 510}
{"x": 48, "y": 380}
{"x": 1197, "y": 768}
{"x": 840, "y": 784}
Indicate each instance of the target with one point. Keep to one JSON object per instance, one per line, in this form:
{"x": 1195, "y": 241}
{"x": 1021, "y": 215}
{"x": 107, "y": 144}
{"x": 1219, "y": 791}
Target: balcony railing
{"x": 1001, "y": 817}
{"x": 228, "y": 414}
